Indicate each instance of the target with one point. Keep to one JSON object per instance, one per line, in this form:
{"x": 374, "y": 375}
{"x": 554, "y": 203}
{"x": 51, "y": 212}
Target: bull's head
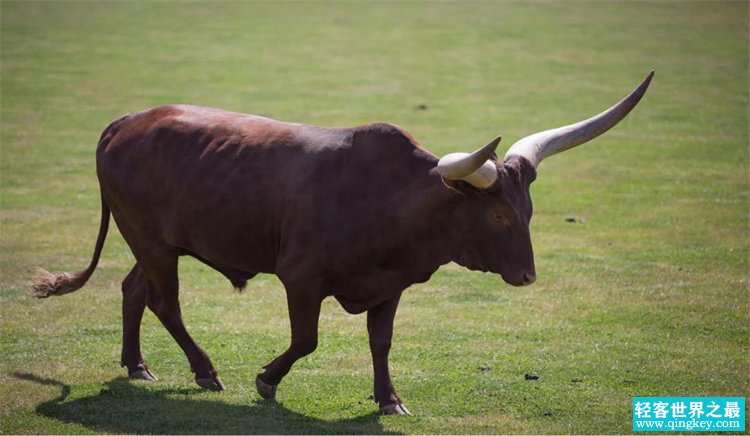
{"x": 497, "y": 210}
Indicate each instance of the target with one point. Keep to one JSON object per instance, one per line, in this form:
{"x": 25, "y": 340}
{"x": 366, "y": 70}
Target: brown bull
{"x": 358, "y": 214}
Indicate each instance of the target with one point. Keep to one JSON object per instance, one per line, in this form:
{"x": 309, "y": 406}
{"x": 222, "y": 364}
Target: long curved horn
{"x": 544, "y": 144}
{"x": 474, "y": 168}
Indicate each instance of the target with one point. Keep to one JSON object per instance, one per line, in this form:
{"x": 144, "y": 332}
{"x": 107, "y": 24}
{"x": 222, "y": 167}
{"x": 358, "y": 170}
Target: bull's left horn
{"x": 475, "y": 168}
{"x": 544, "y": 144}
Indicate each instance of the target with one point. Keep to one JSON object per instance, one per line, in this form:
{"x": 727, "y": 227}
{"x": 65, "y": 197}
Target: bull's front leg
{"x": 304, "y": 311}
{"x": 380, "y": 328}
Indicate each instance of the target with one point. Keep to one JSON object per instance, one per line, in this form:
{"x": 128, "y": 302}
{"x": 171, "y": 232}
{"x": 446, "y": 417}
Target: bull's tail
{"x": 46, "y": 283}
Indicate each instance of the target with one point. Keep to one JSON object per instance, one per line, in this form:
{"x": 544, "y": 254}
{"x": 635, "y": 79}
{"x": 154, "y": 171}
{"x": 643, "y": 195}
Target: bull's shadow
{"x": 129, "y": 408}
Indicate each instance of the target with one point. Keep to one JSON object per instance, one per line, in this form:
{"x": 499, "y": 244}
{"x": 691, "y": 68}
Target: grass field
{"x": 646, "y": 295}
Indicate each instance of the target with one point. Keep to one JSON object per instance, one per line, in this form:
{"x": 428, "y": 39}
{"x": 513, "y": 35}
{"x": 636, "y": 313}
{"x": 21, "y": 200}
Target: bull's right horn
{"x": 475, "y": 168}
{"x": 544, "y": 144}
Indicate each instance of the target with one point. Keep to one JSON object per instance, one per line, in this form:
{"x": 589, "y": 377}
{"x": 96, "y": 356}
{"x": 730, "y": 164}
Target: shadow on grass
{"x": 125, "y": 407}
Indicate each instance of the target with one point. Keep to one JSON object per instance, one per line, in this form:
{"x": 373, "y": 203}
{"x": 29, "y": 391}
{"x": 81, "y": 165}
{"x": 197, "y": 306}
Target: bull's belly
{"x": 229, "y": 254}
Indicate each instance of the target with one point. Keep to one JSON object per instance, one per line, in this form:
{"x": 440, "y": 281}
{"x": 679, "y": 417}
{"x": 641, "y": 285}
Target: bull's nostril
{"x": 528, "y": 278}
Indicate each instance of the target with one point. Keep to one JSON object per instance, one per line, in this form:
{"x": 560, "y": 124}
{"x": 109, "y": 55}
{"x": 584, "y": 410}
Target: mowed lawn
{"x": 644, "y": 293}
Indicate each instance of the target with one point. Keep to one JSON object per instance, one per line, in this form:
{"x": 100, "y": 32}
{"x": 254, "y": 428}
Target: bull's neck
{"x": 431, "y": 214}
{"x": 440, "y": 203}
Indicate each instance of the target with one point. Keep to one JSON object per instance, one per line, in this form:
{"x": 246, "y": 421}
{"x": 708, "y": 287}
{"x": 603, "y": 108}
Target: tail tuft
{"x": 45, "y": 283}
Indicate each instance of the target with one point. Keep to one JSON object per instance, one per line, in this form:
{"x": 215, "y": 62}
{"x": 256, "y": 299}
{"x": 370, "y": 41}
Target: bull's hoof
{"x": 211, "y": 383}
{"x": 265, "y": 390}
{"x": 394, "y": 409}
{"x": 142, "y": 374}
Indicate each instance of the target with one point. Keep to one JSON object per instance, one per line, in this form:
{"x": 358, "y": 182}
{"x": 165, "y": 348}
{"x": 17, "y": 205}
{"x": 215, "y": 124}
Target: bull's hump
{"x": 392, "y": 140}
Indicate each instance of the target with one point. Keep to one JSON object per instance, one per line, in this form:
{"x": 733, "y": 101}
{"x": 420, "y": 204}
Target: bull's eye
{"x": 502, "y": 219}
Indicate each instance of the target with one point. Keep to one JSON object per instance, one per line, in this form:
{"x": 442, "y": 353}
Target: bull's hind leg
{"x": 162, "y": 298}
{"x": 133, "y": 304}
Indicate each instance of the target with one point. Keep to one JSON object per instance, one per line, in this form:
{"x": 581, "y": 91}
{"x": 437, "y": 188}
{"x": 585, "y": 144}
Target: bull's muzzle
{"x": 519, "y": 278}
{"x": 528, "y": 278}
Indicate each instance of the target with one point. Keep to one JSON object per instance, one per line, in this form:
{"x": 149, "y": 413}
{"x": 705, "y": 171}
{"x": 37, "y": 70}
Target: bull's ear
{"x": 466, "y": 189}
{"x": 521, "y": 166}
{"x": 454, "y": 185}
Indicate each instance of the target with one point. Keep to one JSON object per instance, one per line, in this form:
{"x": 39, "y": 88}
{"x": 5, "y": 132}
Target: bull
{"x": 359, "y": 214}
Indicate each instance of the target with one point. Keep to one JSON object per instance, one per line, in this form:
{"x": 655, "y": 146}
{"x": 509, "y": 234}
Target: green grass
{"x": 648, "y": 296}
